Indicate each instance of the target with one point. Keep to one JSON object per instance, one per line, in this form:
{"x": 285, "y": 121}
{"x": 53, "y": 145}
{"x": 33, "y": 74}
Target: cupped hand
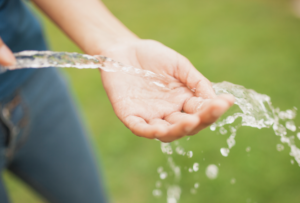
{"x": 148, "y": 111}
{"x": 6, "y": 56}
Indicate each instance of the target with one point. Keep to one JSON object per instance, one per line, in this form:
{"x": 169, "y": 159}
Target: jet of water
{"x": 46, "y": 59}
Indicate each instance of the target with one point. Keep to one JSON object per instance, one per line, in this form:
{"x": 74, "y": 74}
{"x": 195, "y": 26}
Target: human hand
{"x": 6, "y": 56}
{"x": 156, "y": 113}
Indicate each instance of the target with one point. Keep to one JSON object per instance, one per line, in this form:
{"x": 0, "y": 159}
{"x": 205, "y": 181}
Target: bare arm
{"x": 87, "y": 22}
{"x": 148, "y": 113}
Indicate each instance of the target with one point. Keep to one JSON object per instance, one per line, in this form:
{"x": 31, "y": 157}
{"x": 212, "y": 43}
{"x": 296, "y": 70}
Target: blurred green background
{"x": 254, "y": 43}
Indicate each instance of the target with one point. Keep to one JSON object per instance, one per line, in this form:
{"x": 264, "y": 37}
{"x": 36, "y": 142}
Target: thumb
{"x": 6, "y": 56}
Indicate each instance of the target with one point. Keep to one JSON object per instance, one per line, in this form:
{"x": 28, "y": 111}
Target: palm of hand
{"x": 155, "y": 112}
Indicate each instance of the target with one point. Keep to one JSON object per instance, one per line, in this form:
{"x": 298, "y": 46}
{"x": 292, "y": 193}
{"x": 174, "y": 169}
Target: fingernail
{"x": 6, "y": 56}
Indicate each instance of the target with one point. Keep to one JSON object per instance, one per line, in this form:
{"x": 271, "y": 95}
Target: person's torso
{"x": 20, "y": 30}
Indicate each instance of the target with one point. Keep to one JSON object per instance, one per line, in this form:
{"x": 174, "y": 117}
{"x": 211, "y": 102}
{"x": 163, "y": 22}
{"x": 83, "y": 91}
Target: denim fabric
{"x": 43, "y": 142}
{"x": 20, "y": 30}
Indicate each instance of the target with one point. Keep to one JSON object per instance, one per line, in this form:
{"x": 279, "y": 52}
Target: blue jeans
{"x": 43, "y": 142}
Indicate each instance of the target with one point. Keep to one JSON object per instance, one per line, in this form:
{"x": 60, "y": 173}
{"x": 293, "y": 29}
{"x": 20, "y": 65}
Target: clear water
{"x": 250, "y": 109}
{"x": 46, "y": 59}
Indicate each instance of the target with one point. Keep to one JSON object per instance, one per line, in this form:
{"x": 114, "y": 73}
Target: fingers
{"x": 6, "y": 56}
{"x": 178, "y": 124}
{"x": 191, "y": 77}
{"x": 210, "y": 110}
{"x": 140, "y": 127}
{"x": 174, "y": 126}
{"x": 193, "y": 104}
{"x": 181, "y": 125}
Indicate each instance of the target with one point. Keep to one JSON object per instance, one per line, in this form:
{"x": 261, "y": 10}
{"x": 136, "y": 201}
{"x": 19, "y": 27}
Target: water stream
{"x": 46, "y": 59}
{"x": 250, "y": 109}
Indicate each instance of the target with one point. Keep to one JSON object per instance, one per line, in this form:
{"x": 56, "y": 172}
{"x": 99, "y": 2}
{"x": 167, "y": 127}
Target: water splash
{"x": 45, "y": 59}
{"x": 254, "y": 110}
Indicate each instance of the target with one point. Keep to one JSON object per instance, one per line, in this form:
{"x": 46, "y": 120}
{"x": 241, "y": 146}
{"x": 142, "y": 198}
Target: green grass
{"x": 254, "y": 43}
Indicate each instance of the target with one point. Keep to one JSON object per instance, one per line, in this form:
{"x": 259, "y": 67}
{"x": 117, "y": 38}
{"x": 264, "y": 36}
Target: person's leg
{"x": 56, "y": 159}
{"x": 3, "y": 194}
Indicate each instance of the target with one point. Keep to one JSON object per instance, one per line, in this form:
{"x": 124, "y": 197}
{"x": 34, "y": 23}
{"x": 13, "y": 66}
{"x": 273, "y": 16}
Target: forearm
{"x": 87, "y": 22}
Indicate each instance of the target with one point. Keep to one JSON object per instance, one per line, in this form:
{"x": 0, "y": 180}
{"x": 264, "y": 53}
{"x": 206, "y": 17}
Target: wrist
{"x": 100, "y": 44}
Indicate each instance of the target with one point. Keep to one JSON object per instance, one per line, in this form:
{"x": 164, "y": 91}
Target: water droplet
{"x": 292, "y": 161}
{"x": 298, "y": 135}
{"x": 163, "y": 175}
{"x": 179, "y": 150}
{"x": 232, "y": 129}
{"x": 160, "y": 169}
{"x": 213, "y": 127}
{"x": 229, "y": 119}
{"x": 196, "y": 167}
{"x": 156, "y": 193}
{"x": 279, "y": 129}
{"x": 193, "y": 191}
{"x": 190, "y": 170}
{"x": 187, "y": 139}
{"x": 290, "y": 125}
{"x": 158, "y": 184}
{"x": 159, "y": 84}
{"x": 288, "y": 114}
{"x": 225, "y": 151}
{"x": 222, "y": 130}
{"x": 196, "y": 185}
{"x": 248, "y": 149}
{"x": 212, "y": 171}
{"x": 231, "y": 141}
{"x": 291, "y": 114}
{"x": 173, "y": 194}
{"x": 280, "y": 147}
{"x": 171, "y": 200}
{"x": 166, "y": 148}
{"x": 189, "y": 154}
{"x": 232, "y": 181}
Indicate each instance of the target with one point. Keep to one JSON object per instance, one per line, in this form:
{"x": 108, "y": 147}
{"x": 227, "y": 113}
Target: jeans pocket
{"x": 14, "y": 119}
